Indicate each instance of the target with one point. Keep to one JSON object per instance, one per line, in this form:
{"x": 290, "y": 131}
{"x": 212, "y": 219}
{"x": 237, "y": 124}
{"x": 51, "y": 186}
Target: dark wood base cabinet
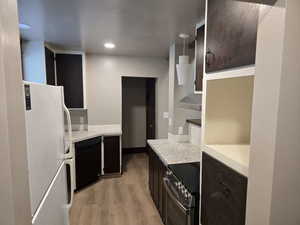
{"x": 224, "y": 193}
{"x": 157, "y": 171}
{"x": 87, "y": 162}
{"x": 112, "y": 155}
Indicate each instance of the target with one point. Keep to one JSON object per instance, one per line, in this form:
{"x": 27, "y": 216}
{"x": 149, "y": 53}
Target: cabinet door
{"x": 156, "y": 181}
{"x": 87, "y": 162}
{"x": 151, "y": 171}
{"x": 231, "y": 34}
{"x": 112, "y": 155}
{"x": 161, "y": 192}
{"x": 69, "y": 74}
{"x": 50, "y": 66}
{"x": 199, "y": 58}
{"x": 224, "y": 194}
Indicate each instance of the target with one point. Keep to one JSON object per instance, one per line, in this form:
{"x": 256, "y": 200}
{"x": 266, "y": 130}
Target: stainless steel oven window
{"x": 175, "y": 212}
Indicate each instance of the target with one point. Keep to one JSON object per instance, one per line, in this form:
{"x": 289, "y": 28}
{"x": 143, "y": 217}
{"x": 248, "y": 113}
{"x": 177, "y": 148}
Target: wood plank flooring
{"x": 118, "y": 201}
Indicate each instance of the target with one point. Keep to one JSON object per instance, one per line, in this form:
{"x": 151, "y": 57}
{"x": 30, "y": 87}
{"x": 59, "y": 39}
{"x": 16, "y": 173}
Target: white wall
{"x": 33, "y": 57}
{"x": 103, "y": 82}
{"x": 286, "y": 183}
{"x": 178, "y": 114}
{"x": 274, "y": 181}
{"x": 14, "y": 186}
{"x": 134, "y": 122}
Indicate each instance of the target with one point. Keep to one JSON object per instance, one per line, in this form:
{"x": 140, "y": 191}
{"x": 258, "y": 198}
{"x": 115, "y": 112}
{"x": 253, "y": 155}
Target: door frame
{"x": 154, "y": 80}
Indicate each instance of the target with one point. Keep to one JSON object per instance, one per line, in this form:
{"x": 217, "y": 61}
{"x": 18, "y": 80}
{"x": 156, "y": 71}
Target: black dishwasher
{"x": 87, "y": 162}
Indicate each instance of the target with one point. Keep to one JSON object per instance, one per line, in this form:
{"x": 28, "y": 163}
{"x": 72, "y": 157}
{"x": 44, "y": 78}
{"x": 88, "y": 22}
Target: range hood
{"x": 192, "y": 101}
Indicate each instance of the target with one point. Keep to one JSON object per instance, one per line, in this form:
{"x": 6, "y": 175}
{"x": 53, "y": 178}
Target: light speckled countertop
{"x": 96, "y": 131}
{"x": 173, "y": 153}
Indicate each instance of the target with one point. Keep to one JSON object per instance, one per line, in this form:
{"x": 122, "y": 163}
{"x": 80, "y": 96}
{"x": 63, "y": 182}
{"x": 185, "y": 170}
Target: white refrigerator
{"x": 50, "y": 156}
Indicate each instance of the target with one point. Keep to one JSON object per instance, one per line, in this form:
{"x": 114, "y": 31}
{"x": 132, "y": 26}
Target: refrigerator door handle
{"x": 69, "y": 145}
{"x": 70, "y": 162}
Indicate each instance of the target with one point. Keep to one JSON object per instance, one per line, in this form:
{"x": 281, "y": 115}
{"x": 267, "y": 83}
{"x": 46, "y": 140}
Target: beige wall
{"x": 14, "y": 188}
{"x": 103, "y": 82}
{"x": 134, "y": 113}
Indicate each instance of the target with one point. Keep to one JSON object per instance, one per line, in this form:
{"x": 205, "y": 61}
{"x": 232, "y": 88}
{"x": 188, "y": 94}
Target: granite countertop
{"x": 174, "y": 153}
{"x": 96, "y": 131}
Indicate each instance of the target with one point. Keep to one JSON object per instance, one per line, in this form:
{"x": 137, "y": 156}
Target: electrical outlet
{"x": 166, "y": 115}
{"x": 170, "y": 122}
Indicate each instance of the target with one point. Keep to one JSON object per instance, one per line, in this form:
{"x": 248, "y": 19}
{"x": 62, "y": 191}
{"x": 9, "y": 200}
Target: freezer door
{"x": 45, "y": 137}
{"x": 53, "y": 209}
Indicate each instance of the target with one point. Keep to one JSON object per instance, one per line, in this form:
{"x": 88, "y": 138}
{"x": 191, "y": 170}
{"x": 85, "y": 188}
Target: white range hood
{"x": 183, "y": 67}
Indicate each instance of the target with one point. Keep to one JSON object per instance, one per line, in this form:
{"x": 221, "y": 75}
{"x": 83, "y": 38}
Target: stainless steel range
{"x": 181, "y": 183}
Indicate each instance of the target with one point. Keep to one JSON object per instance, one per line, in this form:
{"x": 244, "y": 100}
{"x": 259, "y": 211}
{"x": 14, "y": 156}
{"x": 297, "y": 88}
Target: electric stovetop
{"x": 188, "y": 174}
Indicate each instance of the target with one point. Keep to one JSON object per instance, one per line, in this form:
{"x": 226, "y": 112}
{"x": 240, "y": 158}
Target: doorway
{"x": 138, "y": 113}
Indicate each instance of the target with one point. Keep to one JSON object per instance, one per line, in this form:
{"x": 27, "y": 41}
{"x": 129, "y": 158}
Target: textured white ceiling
{"x": 137, "y": 27}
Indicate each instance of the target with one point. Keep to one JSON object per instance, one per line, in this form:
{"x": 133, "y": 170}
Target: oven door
{"x": 176, "y": 212}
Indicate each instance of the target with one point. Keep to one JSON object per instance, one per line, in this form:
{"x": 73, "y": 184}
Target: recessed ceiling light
{"x": 109, "y": 45}
{"x": 24, "y": 26}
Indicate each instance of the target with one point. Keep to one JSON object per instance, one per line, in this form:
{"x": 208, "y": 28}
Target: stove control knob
{"x": 169, "y": 172}
{"x": 180, "y": 185}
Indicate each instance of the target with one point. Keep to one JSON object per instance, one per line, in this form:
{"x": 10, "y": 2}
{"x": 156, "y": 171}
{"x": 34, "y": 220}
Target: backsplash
{"x": 79, "y": 118}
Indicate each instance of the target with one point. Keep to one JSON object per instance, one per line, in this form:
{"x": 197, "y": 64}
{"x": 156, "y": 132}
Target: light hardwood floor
{"x": 118, "y": 201}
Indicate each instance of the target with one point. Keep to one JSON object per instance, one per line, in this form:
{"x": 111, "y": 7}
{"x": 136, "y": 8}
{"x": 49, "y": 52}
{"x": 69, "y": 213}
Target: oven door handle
{"x": 169, "y": 191}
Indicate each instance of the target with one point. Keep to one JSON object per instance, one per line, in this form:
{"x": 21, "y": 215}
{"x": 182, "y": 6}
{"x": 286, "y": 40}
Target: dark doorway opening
{"x": 138, "y": 113}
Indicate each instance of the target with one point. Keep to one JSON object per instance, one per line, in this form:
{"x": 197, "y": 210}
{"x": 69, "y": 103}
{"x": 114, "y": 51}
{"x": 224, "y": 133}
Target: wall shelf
{"x": 239, "y": 72}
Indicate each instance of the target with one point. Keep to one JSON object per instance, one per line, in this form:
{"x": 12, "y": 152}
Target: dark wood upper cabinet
{"x": 50, "y": 66}
{"x": 231, "y": 34}
{"x": 199, "y": 58}
{"x": 69, "y": 72}
{"x": 224, "y": 193}
{"x": 112, "y": 155}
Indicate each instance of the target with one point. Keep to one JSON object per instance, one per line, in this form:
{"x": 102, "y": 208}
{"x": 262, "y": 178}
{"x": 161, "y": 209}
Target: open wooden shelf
{"x": 227, "y": 121}
{"x": 234, "y": 156}
{"x": 239, "y": 72}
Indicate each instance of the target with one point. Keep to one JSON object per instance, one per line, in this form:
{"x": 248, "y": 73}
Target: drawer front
{"x": 224, "y": 193}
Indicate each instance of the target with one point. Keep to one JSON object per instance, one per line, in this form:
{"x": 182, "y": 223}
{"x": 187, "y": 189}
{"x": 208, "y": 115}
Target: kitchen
{"x": 218, "y": 106}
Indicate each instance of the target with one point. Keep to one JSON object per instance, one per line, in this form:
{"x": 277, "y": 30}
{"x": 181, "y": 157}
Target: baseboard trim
{"x": 134, "y": 150}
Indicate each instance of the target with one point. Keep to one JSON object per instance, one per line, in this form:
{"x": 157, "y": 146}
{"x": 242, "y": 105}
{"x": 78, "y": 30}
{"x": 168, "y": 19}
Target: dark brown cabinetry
{"x": 199, "y": 58}
{"x": 224, "y": 193}
{"x": 231, "y": 34}
{"x": 69, "y": 72}
{"x": 112, "y": 155}
{"x": 50, "y": 66}
{"x": 157, "y": 171}
{"x": 87, "y": 162}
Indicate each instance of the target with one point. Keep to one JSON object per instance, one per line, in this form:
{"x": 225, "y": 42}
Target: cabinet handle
{"x": 226, "y": 190}
{"x": 207, "y": 56}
